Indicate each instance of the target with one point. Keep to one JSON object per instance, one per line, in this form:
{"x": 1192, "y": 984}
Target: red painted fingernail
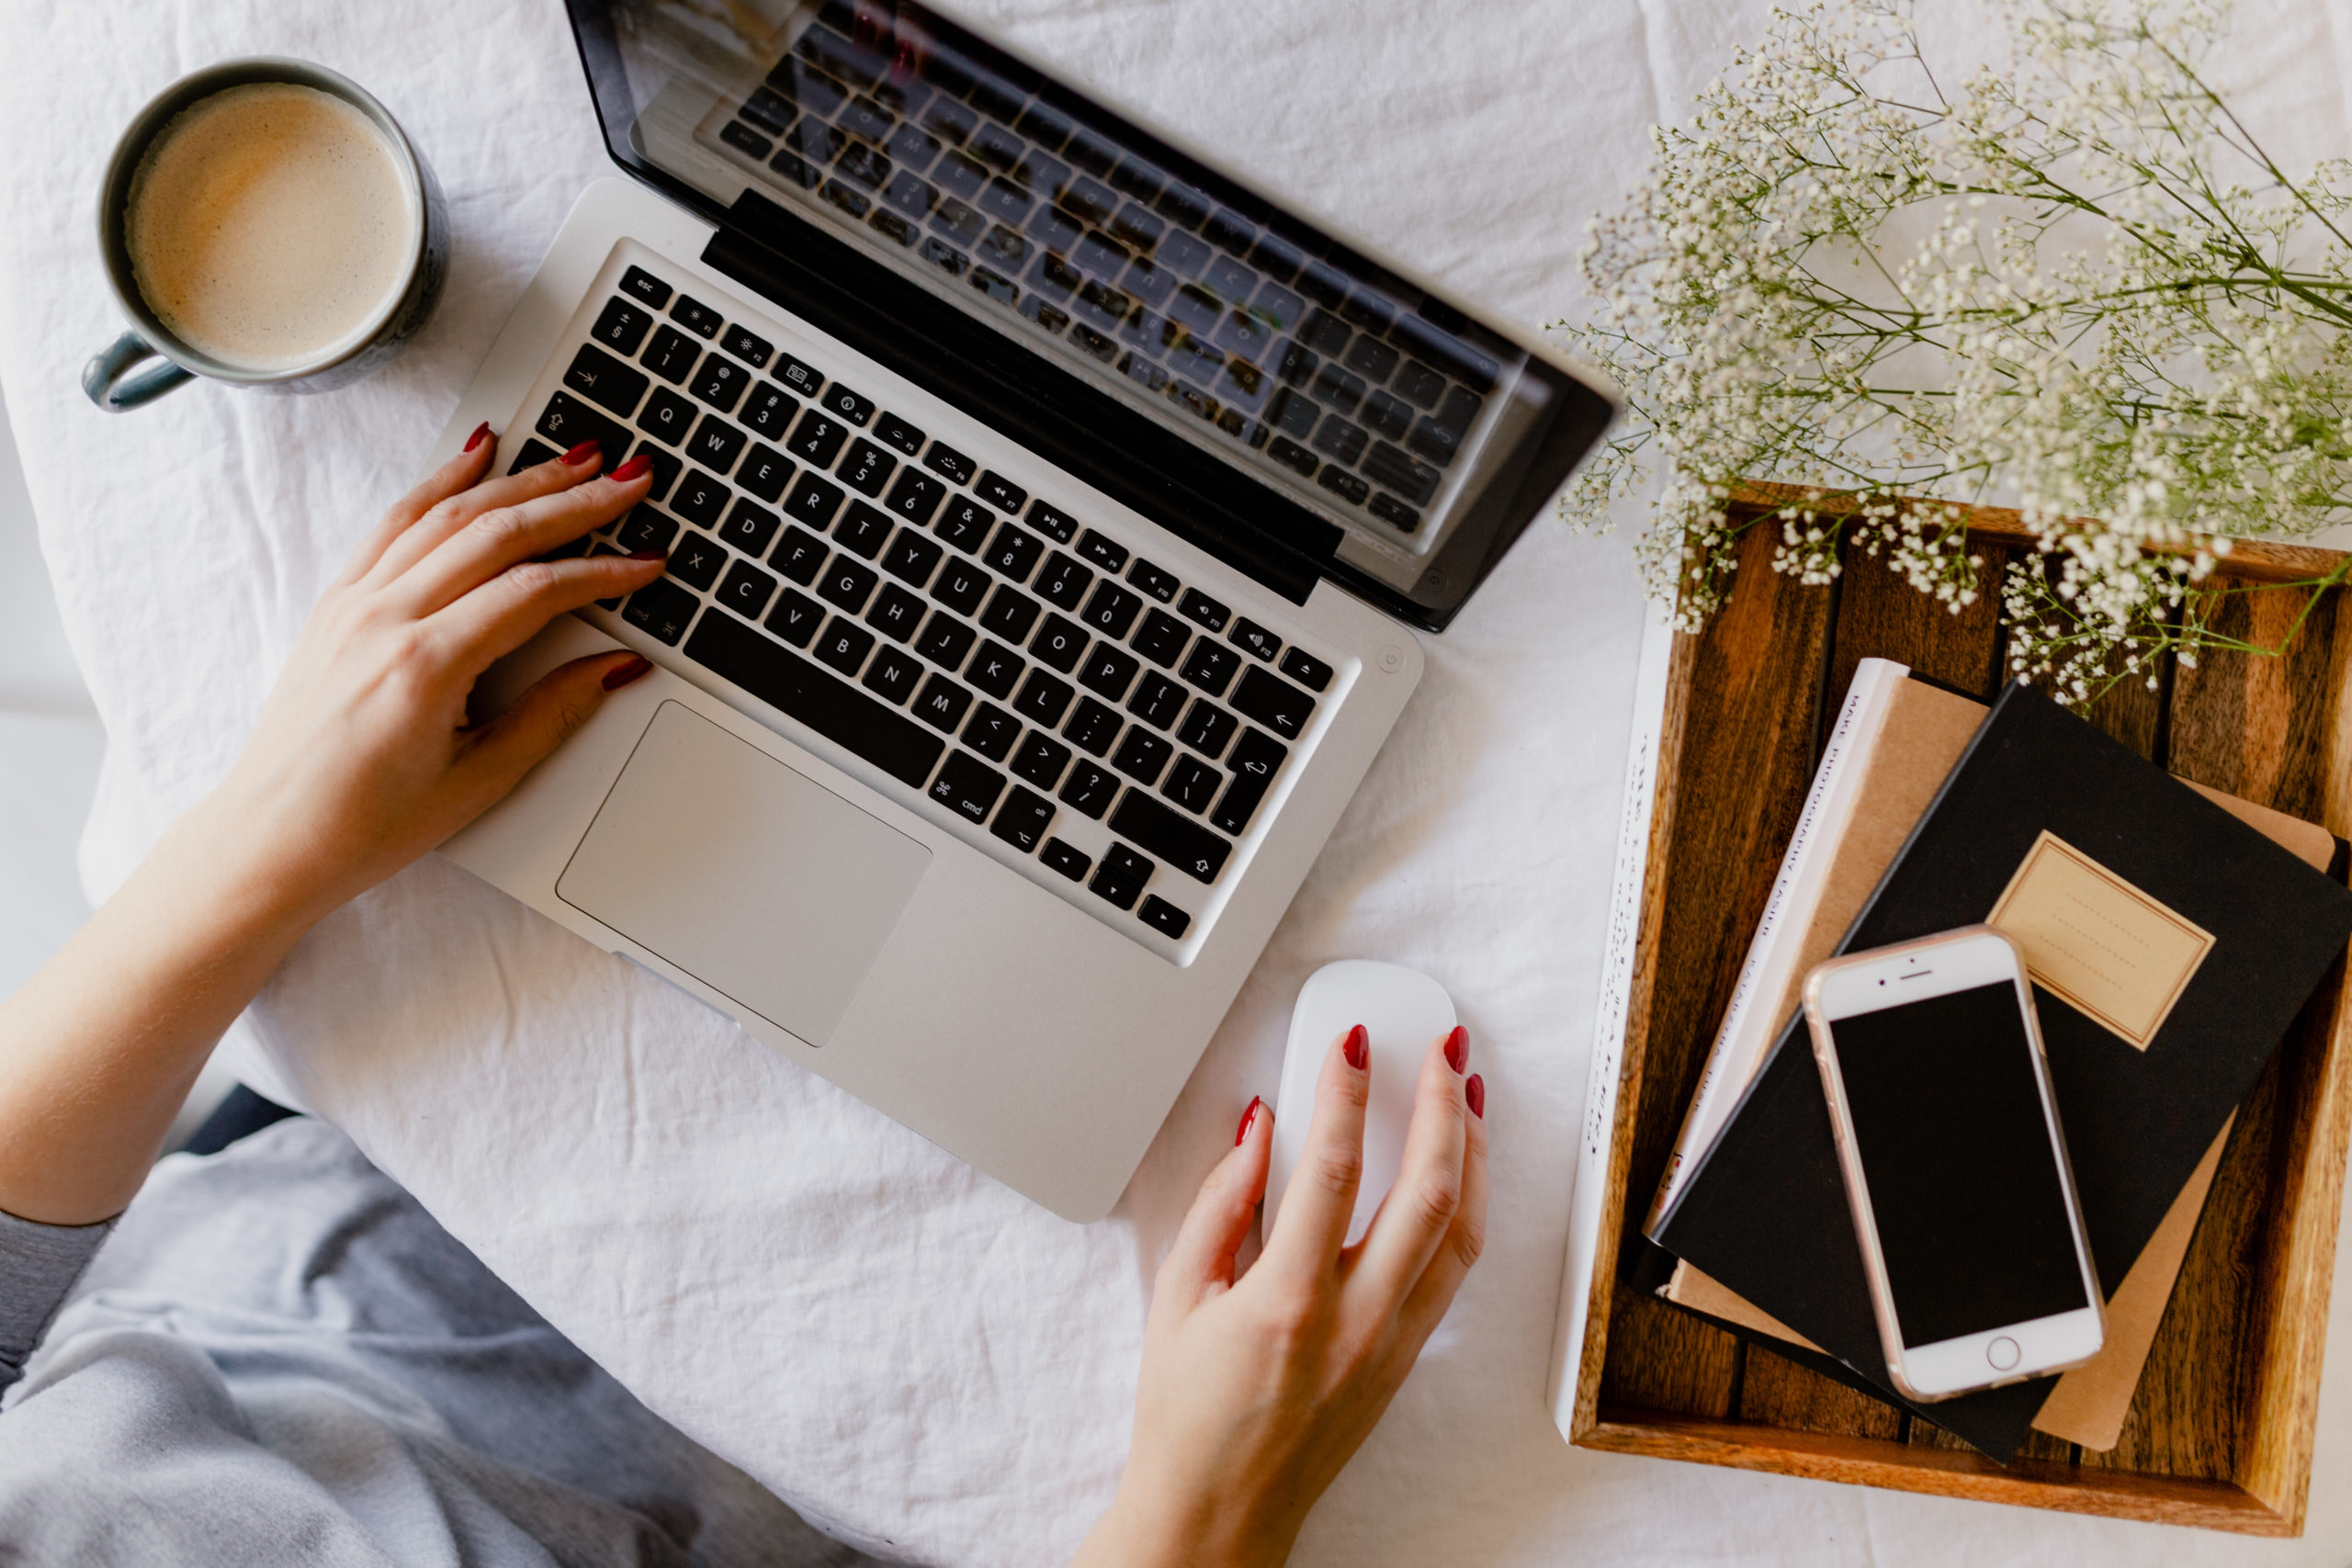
{"x": 635, "y": 468}
{"x": 1358, "y": 1049}
{"x": 1242, "y": 1134}
{"x": 481, "y": 432}
{"x": 620, "y": 675}
{"x": 580, "y": 453}
{"x": 1475, "y": 1092}
{"x": 1457, "y": 1048}
{"x": 646, "y": 555}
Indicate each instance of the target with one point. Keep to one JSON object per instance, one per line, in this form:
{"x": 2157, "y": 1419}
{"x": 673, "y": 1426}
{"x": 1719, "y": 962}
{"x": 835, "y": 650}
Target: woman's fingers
{"x": 452, "y": 478}
{"x": 450, "y": 516}
{"x": 479, "y": 554}
{"x": 502, "y": 751}
{"x": 1464, "y": 1239}
{"x": 1321, "y": 1197}
{"x": 1419, "y": 1211}
{"x": 1200, "y": 1263}
{"x": 513, "y": 607}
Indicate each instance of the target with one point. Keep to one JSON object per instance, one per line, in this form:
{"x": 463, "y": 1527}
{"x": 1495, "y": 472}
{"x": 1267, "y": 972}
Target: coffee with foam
{"x": 270, "y": 224}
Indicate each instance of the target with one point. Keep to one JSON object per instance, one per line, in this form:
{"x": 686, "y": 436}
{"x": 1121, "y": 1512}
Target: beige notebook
{"x": 1923, "y": 733}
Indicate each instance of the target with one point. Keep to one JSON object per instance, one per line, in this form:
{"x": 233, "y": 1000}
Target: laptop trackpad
{"x": 762, "y": 884}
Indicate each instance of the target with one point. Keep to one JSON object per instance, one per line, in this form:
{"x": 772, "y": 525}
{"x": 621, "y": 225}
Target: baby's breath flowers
{"x": 2073, "y": 283}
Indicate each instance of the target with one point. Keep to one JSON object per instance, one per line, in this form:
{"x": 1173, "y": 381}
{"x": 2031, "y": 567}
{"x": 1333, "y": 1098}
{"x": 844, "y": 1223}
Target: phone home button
{"x": 2003, "y": 1353}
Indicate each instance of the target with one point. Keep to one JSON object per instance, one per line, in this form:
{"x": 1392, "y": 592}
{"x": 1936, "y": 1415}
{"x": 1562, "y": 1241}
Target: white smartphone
{"x": 1955, "y": 1163}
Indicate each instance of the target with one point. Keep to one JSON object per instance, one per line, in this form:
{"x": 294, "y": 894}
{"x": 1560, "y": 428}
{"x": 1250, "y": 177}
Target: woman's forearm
{"x": 98, "y": 1051}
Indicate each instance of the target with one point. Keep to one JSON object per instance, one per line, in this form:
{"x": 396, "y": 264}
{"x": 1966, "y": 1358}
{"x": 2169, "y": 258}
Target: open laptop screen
{"x": 1379, "y": 431}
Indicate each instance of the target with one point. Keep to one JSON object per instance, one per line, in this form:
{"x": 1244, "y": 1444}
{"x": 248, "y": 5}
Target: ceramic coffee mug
{"x": 110, "y": 378}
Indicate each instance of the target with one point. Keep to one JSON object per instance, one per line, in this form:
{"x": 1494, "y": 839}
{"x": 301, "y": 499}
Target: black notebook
{"x": 1765, "y": 1213}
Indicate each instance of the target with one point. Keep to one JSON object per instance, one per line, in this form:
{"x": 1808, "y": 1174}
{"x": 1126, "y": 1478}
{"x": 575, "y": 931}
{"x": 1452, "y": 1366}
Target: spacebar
{"x": 833, "y": 708}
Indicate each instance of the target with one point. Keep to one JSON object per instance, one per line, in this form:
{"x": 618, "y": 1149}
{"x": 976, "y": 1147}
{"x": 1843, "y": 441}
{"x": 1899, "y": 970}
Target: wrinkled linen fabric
{"x": 917, "y": 1358}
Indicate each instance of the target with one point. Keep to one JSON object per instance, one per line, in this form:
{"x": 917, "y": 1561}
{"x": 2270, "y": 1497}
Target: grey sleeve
{"x": 37, "y": 1267}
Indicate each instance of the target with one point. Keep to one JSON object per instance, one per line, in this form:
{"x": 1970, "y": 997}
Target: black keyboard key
{"x": 667, "y": 415}
{"x": 1000, "y": 492}
{"x": 1340, "y": 438}
{"x": 532, "y": 453}
{"x": 746, "y": 590}
{"x": 1390, "y": 416}
{"x": 568, "y": 422}
{"x": 795, "y": 618}
{"x": 866, "y": 468}
{"x": 1041, "y": 760}
{"x": 1164, "y": 917}
{"x": 645, "y": 529}
{"x": 763, "y": 472}
{"x": 1071, "y": 862}
{"x": 945, "y": 641}
{"x": 1161, "y": 638}
{"x": 715, "y": 444}
{"x": 1158, "y": 582}
{"x": 1063, "y": 582}
{"x": 1242, "y": 797}
{"x": 1058, "y": 643}
{"x": 800, "y": 556}
{"x": 720, "y": 382}
{"x": 916, "y": 496}
{"x": 1129, "y": 863}
{"x": 661, "y": 610}
{"x": 1044, "y": 699}
{"x": 769, "y": 412}
{"x": 1249, "y": 635}
{"x": 943, "y": 704}
{"x": 1108, "y": 671}
{"x": 967, "y": 785}
{"x": 895, "y": 613}
{"x": 1088, "y": 789}
{"x": 1191, "y": 783}
{"x": 1200, "y": 608}
{"x": 844, "y": 646}
{"x": 1051, "y": 521}
{"x": 1142, "y": 754}
{"x": 1182, "y": 843}
{"x": 746, "y": 346}
{"x": 846, "y": 583}
{"x": 1114, "y": 887}
{"x": 1009, "y": 615}
{"x": 995, "y": 670}
{"x": 695, "y": 316}
{"x": 1092, "y": 728}
{"x": 1306, "y": 669}
{"x": 960, "y": 586}
{"x": 1274, "y": 703}
{"x": 1392, "y": 469}
{"x": 1292, "y": 456}
{"x": 813, "y": 500}
{"x": 1024, "y": 819}
{"x": 793, "y": 168}
{"x": 831, "y": 708}
{"x": 604, "y": 379}
{"x": 965, "y": 524}
{"x": 1012, "y": 553}
{"x": 1108, "y": 554}
{"x": 1207, "y": 729}
{"x": 864, "y": 532}
{"x": 1258, "y": 755}
{"x": 893, "y": 675}
{"x": 646, "y": 286}
{"x": 849, "y": 405}
{"x": 671, "y": 355}
{"x": 911, "y": 558}
{"x": 1157, "y": 701}
{"x": 799, "y": 374}
{"x": 1343, "y": 484}
{"x": 945, "y": 459}
{"x": 892, "y": 431}
{"x": 817, "y": 440}
{"x": 697, "y": 562}
{"x": 1210, "y": 666}
{"x": 991, "y": 732}
{"x": 699, "y": 499}
{"x": 1111, "y": 610}
{"x": 1395, "y": 514}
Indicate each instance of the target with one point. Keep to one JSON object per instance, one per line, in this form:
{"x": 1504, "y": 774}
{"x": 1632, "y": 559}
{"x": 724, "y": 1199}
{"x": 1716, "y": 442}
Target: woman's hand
{"x": 362, "y": 761}
{"x": 1254, "y": 1394}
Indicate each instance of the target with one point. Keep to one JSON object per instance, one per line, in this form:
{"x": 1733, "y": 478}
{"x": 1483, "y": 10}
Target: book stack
{"x": 1925, "y": 810}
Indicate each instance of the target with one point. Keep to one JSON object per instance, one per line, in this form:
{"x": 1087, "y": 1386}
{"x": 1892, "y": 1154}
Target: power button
{"x": 2003, "y": 1353}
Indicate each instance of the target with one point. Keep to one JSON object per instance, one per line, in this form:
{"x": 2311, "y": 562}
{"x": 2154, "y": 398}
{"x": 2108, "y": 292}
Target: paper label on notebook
{"x": 2116, "y": 954}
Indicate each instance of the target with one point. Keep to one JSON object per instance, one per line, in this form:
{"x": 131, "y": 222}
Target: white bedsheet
{"x": 925, "y": 1363}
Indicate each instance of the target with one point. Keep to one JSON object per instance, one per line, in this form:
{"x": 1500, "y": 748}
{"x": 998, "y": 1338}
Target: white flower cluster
{"x": 2073, "y": 284}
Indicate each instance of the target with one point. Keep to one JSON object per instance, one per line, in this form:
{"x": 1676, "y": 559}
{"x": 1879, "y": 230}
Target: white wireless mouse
{"x": 1404, "y": 1013}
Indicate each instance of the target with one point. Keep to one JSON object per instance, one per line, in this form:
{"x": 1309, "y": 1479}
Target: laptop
{"x": 1053, "y": 518}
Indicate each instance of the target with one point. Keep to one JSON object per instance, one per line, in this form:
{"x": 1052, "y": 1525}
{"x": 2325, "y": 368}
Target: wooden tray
{"x": 2219, "y": 1434}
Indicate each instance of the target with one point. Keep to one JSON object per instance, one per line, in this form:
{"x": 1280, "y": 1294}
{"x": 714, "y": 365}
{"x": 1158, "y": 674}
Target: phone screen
{"x": 1963, "y": 1179}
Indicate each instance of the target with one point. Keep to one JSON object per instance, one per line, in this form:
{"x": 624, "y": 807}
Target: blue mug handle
{"x": 103, "y": 378}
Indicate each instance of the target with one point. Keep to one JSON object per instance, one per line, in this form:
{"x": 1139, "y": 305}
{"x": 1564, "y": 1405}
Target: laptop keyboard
{"x": 1013, "y": 666}
{"x": 1266, "y": 333}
